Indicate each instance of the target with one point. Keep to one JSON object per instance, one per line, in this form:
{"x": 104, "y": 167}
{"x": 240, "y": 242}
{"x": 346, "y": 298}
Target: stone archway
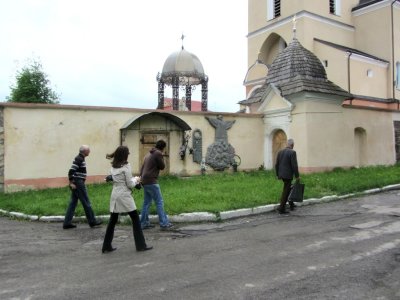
{"x": 279, "y": 141}
{"x": 271, "y": 48}
{"x": 141, "y": 132}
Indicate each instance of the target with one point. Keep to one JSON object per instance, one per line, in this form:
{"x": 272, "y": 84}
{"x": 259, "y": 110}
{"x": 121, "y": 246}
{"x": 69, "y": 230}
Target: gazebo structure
{"x": 182, "y": 69}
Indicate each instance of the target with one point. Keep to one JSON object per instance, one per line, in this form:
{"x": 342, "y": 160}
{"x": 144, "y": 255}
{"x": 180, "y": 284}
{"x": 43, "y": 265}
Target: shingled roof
{"x": 295, "y": 70}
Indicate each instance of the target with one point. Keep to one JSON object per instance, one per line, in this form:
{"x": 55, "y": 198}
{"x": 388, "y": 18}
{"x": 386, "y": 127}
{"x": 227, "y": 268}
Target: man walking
{"x": 153, "y": 163}
{"x": 286, "y": 167}
{"x": 77, "y": 177}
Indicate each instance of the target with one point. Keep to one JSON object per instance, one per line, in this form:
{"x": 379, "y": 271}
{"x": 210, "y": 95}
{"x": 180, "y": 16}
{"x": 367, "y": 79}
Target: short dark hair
{"x": 161, "y": 144}
{"x": 119, "y": 157}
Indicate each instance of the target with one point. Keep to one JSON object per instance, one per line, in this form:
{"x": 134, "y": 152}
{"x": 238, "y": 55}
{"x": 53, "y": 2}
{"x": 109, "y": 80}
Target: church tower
{"x": 357, "y": 41}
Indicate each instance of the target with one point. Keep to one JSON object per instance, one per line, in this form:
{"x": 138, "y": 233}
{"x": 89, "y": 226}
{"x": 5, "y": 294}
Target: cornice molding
{"x": 374, "y": 7}
{"x": 299, "y": 15}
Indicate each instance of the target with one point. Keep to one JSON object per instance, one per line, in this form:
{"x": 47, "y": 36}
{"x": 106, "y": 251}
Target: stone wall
{"x": 1, "y": 149}
{"x": 397, "y": 139}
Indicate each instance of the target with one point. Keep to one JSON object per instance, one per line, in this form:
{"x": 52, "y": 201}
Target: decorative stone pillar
{"x": 189, "y": 97}
{"x": 175, "y": 93}
{"x": 160, "y": 95}
{"x": 204, "y": 94}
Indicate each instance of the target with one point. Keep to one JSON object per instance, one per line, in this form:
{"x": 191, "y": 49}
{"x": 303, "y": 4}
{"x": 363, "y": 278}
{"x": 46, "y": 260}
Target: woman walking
{"x": 121, "y": 199}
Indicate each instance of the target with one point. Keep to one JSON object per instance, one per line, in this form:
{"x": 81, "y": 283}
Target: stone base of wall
{"x": 16, "y": 185}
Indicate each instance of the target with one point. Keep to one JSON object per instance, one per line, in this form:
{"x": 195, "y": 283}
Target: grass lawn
{"x": 209, "y": 193}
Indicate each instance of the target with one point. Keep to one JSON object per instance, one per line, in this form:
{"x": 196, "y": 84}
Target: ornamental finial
{"x": 294, "y": 26}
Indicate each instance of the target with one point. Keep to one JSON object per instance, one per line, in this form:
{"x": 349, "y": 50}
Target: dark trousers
{"x": 79, "y": 193}
{"x": 140, "y": 242}
{"x": 285, "y": 193}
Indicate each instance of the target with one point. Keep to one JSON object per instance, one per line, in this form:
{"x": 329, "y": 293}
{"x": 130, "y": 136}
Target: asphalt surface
{"x": 346, "y": 249}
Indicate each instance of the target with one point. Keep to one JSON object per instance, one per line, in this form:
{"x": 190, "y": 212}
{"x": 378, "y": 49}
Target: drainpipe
{"x": 393, "y": 63}
{"x": 349, "y": 53}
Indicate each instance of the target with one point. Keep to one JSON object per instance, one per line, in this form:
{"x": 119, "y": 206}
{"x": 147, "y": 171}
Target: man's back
{"x": 286, "y": 164}
{"x": 153, "y": 163}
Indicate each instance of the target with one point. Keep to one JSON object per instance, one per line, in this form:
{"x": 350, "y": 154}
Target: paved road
{"x": 348, "y": 249}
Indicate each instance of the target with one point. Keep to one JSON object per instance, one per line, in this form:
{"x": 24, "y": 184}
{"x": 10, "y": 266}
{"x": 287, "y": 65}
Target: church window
{"x": 398, "y": 75}
{"x": 370, "y": 73}
{"x": 273, "y": 9}
{"x": 334, "y": 7}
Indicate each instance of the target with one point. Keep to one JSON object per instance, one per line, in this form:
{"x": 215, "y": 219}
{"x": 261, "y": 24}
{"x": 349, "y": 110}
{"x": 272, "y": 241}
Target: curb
{"x": 206, "y": 216}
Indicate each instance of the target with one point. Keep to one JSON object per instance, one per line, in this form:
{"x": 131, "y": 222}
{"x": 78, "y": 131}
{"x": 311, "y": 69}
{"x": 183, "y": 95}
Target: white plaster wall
{"x": 41, "y": 140}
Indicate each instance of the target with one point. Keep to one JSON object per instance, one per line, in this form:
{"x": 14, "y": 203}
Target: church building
{"x": 323, "y": 72}
{"x": 326, "y": 73}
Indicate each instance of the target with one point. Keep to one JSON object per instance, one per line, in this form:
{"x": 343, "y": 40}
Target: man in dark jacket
{"x": 153, "y": 163}
{"x": 286, "y": 167}
{"x": 77, "y": 178}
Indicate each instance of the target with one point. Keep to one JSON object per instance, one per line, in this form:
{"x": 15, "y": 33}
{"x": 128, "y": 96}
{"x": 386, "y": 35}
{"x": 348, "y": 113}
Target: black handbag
{"x": 297, "y": 192}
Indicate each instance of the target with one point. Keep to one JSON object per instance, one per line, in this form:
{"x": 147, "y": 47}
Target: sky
{"x": 108, "y": 53}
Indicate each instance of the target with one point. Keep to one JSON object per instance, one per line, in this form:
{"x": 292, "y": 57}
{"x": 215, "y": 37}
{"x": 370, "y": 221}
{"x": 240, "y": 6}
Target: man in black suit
{"x": 286, "y": 167}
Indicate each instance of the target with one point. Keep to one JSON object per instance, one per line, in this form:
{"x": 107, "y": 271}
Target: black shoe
{"x": 69, "y": 226}
{"x": 149, "y": 226}
{"x": 96, "y": 223}
{"x": 106, "y": 250}
{"x": 292, "y": 206}
{"x": 145, "y": 248}
{"x": 166, "y": 227}
{"x": 283, "y": 212}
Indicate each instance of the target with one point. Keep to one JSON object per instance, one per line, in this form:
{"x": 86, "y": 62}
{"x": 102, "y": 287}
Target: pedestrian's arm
{"x": 277, "y": 165}
{"x": 295, "y": 167}
{"x": 74, "y": 167}
{"x": 160, "y": 161}
{"x": 128, "y": 177}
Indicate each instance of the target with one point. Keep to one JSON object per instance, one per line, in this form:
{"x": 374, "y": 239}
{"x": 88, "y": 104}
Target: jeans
{"x": 153, "y": 192}
{"x": 79, "y": 193}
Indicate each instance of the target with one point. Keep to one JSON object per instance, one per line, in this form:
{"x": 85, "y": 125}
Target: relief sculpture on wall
{"x": 197, "y": 146}
{"x": 220, "y": 154}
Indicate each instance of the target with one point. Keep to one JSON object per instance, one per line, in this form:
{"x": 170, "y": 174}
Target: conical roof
{"x": 293, "y": 61}
{"x": 297, "y": 69}
{"x": 185, "y": 66}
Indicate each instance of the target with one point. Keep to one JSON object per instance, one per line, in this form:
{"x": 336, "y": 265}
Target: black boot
{"x": 107, "y": 247}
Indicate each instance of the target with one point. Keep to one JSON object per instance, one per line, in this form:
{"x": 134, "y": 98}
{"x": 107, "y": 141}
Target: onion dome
{"x": 184, "y": 66}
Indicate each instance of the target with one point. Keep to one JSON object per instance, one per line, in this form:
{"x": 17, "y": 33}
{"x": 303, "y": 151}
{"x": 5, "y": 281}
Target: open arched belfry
{"x": 182, "y": 69}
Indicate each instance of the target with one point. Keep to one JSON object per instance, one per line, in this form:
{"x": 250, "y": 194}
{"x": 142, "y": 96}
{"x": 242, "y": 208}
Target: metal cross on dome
{"x": 182, "y": 37}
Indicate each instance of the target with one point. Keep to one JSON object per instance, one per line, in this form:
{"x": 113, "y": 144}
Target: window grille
{"x": 277, "y": 8}
{"x": 273, "y": 9}
{"x": 332, "y": 6}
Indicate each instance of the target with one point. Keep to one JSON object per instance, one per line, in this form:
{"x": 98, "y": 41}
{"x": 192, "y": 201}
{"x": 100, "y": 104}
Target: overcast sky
{"x": 108, "y": 53}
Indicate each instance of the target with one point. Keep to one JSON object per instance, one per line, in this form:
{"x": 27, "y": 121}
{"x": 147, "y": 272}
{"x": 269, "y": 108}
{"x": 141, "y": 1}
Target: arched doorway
{"x": 140, "y": 134}
{"x": 360, "y": 150}
{"x": 279, "y": 141}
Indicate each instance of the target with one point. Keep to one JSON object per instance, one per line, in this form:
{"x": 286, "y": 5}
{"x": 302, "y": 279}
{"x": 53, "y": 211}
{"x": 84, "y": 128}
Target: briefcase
{"x": 297, "y": 192}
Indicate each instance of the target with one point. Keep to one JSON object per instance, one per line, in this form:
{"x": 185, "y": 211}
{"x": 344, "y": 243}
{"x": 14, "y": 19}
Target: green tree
{"x": 32, "y": 86}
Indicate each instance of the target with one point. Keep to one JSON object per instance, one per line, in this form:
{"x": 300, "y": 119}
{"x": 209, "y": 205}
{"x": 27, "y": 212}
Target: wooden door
{"x": 148, "y": 141}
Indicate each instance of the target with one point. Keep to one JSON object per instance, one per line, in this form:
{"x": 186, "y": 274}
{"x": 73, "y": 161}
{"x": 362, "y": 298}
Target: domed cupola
{"x": 182, "y": 68}
{"x": 184, "y": 65}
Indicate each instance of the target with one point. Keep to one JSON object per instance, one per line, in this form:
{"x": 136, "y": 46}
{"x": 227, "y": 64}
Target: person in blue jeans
{"x": 77, "y": 178}
{"x": 152, "y": 164}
